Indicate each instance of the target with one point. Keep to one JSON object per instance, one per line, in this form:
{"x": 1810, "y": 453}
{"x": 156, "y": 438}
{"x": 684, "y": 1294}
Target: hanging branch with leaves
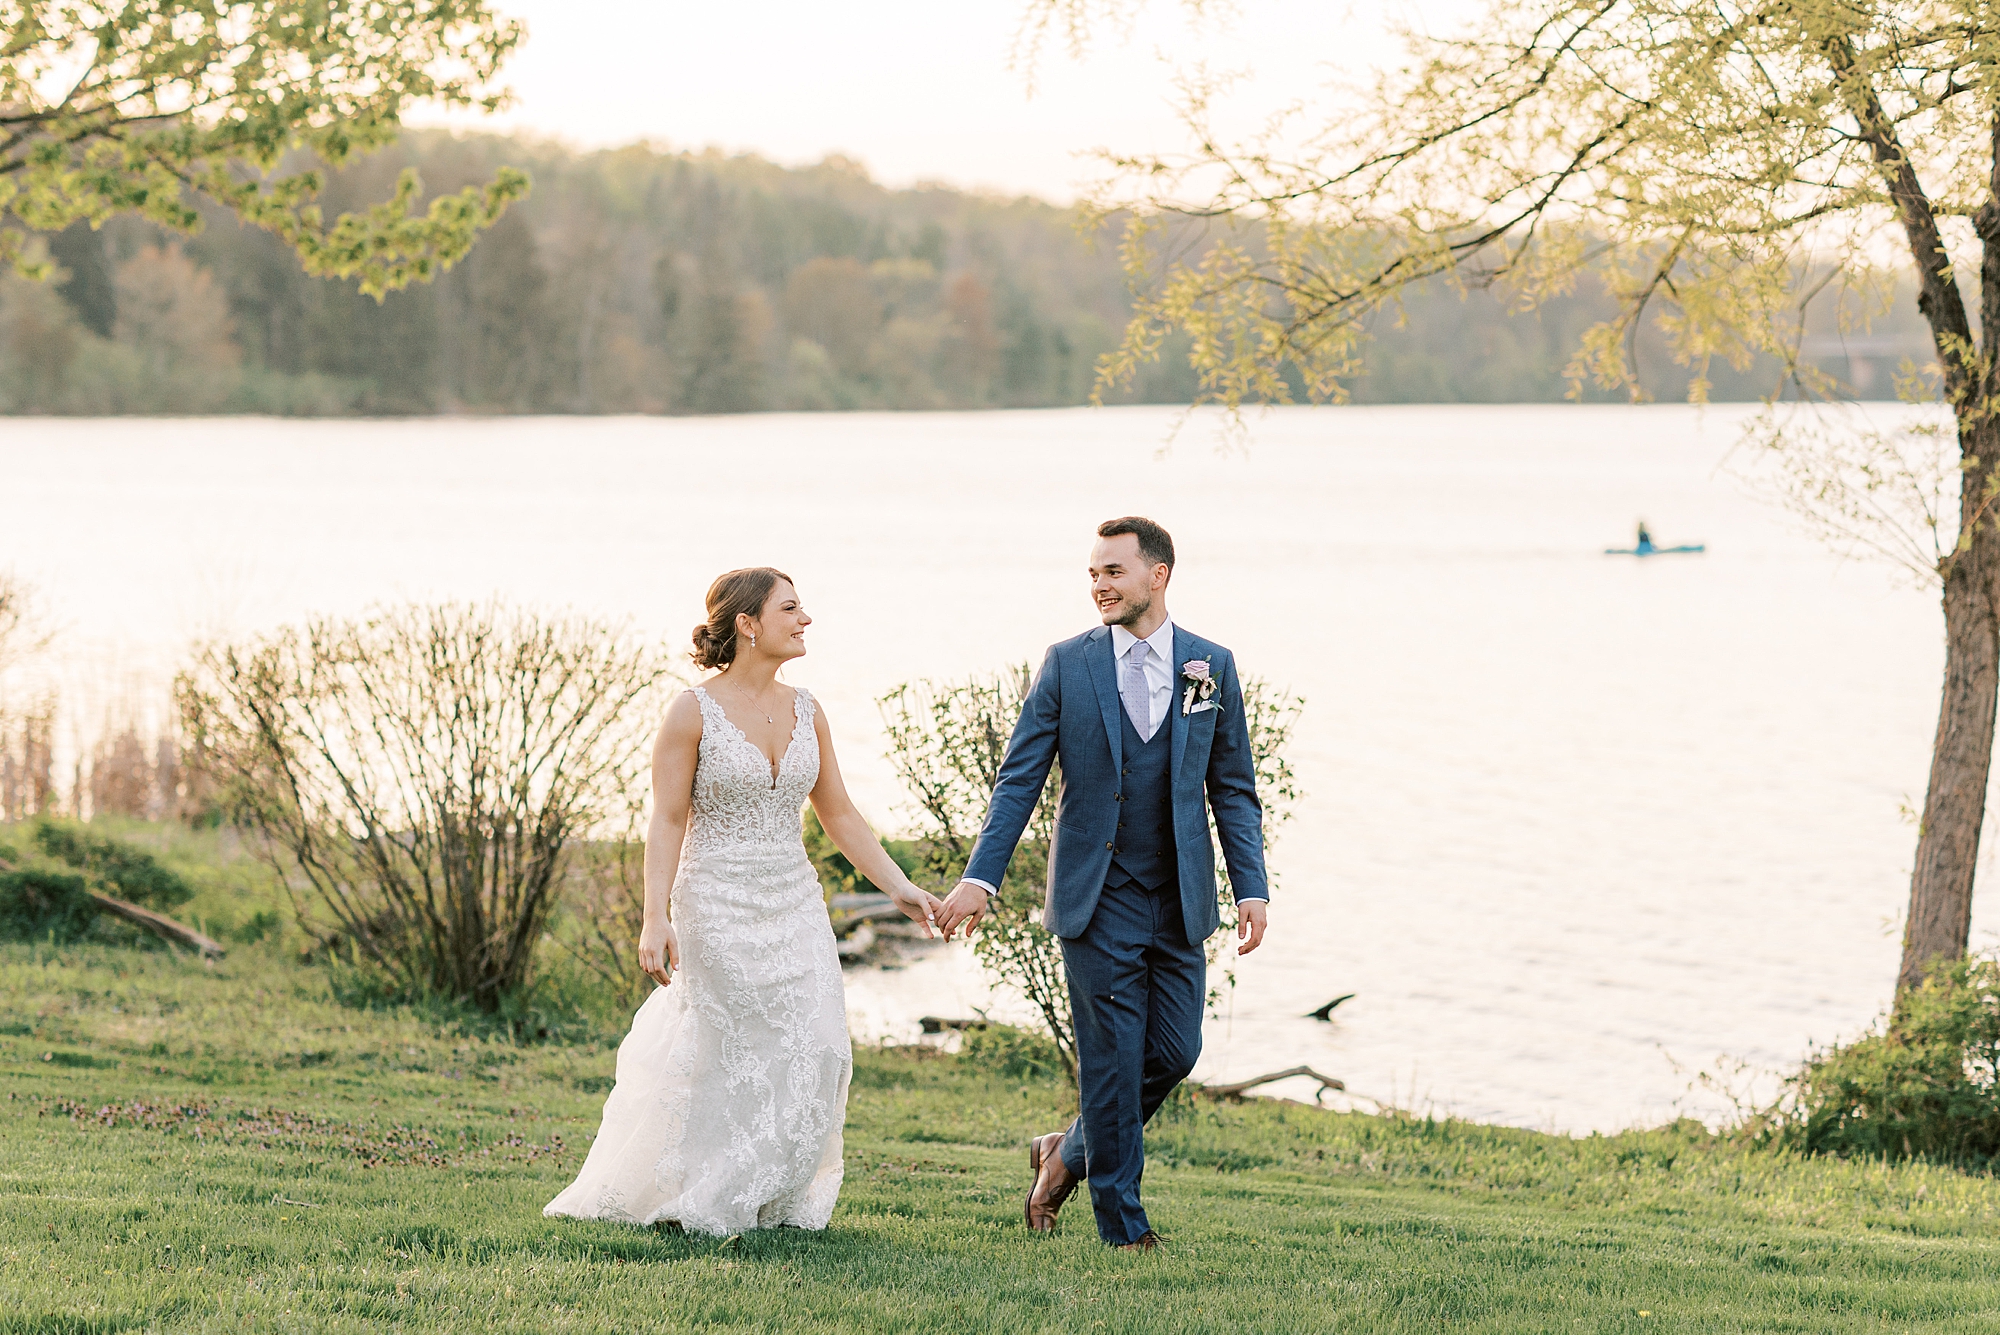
{"x": 146, "y": 106}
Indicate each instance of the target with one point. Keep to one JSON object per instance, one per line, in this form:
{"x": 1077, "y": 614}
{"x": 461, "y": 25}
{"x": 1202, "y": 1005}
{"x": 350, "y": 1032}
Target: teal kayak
{"x": 1656, "y": 551}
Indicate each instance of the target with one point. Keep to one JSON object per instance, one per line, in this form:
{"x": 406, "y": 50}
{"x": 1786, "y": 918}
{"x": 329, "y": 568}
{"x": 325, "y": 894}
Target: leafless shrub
{"x": 23, "y": 630}
{"x": 424, "y": 774}
{"x": 131, "y": 763}
{"x": 606, "y": 902}
{"x": 27, "y": 715}
{"x": 28, "y": 759}
{"x": 122, "y": 775}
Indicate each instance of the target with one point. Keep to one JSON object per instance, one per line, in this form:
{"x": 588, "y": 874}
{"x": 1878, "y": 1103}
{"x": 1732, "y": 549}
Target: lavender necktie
{"x": 1136, "y": 691}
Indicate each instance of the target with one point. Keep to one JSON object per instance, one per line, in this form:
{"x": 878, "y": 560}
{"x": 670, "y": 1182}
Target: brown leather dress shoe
{"x": 1052, "y": 1182}
{"x": 1148, "y": 1241}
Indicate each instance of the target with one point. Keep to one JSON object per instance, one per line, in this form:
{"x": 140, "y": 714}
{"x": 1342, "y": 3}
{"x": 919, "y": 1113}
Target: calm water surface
{"x": 1569, "y": 819}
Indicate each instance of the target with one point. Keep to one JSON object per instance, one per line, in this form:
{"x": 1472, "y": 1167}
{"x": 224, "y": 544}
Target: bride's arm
{"x": 674, "y": 753}
{"x": 851, "y": 835}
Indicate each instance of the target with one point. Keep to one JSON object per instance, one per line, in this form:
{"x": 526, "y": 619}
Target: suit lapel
{"x": 1183, "y": 651}
{"x": 1104, "y": 679}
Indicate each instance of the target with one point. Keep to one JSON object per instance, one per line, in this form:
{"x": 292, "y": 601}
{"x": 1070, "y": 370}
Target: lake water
{"x": 1569, "y": 819}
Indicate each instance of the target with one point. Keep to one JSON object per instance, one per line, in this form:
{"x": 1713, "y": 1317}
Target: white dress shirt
{"x": 1160, "y": 668}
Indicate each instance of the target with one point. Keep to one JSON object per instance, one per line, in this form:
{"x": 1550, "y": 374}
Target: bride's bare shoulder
{"x": 683, "y": 722}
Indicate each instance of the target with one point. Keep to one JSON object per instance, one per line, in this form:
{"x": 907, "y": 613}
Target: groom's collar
{"x": 1161, "y": 641}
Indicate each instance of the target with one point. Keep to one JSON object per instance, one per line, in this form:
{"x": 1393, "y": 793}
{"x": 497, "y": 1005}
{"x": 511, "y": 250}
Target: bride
{"x": 732, "y": 1085}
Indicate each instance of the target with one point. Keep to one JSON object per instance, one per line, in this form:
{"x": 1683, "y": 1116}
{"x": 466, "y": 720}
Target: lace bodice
{"x": 736, "y": 803}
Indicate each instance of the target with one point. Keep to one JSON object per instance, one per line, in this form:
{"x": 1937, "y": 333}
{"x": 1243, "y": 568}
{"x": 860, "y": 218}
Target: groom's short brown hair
{"x": 1155, "y": 543}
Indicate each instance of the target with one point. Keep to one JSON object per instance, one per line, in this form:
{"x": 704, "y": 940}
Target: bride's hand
{"x": 659, "y": 951}
{"x": 918, "y": 906}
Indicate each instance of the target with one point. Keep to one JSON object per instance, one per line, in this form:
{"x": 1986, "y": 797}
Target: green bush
{"x": 123, "y": 870}
{"x": 837, "y": 875}
{"x": 256, "y": 927}
{"x": 38, "y": 905}
{"x": 1021, "y": 1054}
{"x": 1924, "y": 1084}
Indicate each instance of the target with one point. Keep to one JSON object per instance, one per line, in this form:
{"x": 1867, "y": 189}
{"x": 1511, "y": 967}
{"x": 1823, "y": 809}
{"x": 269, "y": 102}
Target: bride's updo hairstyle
{"x": 738, "y": 593}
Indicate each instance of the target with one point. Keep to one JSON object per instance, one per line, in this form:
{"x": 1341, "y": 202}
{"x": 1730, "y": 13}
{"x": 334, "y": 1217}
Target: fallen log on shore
{"x": 851, "y": 912}
{"x": 902, "y": 929}
{"x": 869, "y": 914}
{"x": 159, "y": 924}
{"x": 937, "y": 1024}
{"x": 1235, "y": 1092}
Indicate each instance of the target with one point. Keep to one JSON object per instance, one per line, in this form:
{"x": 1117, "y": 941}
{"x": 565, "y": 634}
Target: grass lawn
{"x": 228, "y": 1149}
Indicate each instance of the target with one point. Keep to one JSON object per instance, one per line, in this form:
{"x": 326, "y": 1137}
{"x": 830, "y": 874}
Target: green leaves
{"x": 135, "y": 107}
{"x": 38, "y": 904}
{"x": 122, "y": 869}
{"x": 1925, "y": 1083}
{"x": 1706, "y": 164}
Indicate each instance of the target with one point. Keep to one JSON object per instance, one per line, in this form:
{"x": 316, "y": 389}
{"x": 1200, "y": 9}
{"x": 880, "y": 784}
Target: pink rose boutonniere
{"x": 1199, "y": 685}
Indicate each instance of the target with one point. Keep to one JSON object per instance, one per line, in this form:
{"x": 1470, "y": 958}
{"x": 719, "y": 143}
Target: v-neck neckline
{"x": 791, "y": 738}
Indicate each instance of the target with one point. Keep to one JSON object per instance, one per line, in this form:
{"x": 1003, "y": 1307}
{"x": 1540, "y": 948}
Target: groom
{"x": 1147, "y": 722}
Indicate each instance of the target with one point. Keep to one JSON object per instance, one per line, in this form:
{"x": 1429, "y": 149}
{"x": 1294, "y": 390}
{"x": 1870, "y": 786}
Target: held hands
{"x": 964, "y": 906}
{"x": 918, "y": 905}
{"x": 659, "y": 950}
{"x": 1250, "y": 923}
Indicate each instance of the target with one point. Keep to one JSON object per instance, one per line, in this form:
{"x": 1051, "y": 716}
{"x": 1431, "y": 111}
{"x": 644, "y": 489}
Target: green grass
{"x": 423, "y": 1154}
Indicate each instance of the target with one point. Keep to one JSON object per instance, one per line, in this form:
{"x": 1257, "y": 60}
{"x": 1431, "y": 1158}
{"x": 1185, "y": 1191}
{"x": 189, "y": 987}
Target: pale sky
{"x": 919, "y": 89}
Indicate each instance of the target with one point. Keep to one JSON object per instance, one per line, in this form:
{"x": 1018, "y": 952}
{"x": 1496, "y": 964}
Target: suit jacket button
{"x": 1110, "y": 848}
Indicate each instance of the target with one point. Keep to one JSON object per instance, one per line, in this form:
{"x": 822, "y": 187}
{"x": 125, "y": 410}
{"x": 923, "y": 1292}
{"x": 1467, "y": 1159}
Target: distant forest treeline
{"x": 642, "y": 280}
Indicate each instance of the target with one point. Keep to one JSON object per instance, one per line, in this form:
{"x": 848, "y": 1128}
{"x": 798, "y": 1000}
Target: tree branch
{"x": 1938, "y": 296}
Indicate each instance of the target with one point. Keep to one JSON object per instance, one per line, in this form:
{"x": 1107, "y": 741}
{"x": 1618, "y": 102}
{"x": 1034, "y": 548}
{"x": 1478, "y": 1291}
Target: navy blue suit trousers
{"x": 1136, "y": 988}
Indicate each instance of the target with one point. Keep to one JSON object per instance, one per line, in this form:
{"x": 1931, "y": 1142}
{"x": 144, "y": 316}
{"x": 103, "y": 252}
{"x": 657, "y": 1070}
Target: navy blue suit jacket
{"x": 1071, "y": 715}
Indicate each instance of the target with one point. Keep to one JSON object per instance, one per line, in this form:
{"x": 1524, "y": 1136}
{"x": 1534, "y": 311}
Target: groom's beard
{"x": 1126, "y": 611}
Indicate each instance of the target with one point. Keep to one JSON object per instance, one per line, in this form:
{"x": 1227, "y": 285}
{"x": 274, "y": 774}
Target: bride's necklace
{"x": 752, "y": 701}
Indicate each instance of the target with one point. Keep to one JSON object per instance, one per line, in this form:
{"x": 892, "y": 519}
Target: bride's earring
{"x": 753, "y": 641}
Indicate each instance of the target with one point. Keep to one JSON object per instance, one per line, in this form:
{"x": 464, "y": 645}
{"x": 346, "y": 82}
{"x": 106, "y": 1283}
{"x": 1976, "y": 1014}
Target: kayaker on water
{"x": 1645, "y": 543}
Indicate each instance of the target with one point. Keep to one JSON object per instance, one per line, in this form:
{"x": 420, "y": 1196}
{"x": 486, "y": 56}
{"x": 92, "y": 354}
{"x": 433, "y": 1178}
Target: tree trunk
{"x": 159, "y": 924}
{"x": 1940, "y": 917}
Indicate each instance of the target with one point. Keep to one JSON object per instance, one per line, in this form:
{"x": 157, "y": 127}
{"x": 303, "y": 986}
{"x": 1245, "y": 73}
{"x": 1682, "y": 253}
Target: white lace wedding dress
{"x": 732, "y": 1085}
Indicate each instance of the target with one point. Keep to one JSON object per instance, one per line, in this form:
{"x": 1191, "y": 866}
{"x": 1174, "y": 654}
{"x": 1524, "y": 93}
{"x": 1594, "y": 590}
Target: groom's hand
{"x": 1250, "y": 925}
{"x": 965, "y": 904}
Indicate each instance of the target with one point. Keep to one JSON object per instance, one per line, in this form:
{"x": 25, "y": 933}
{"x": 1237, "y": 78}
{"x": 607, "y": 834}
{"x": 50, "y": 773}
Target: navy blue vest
{"x": 1145, "y": 843}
